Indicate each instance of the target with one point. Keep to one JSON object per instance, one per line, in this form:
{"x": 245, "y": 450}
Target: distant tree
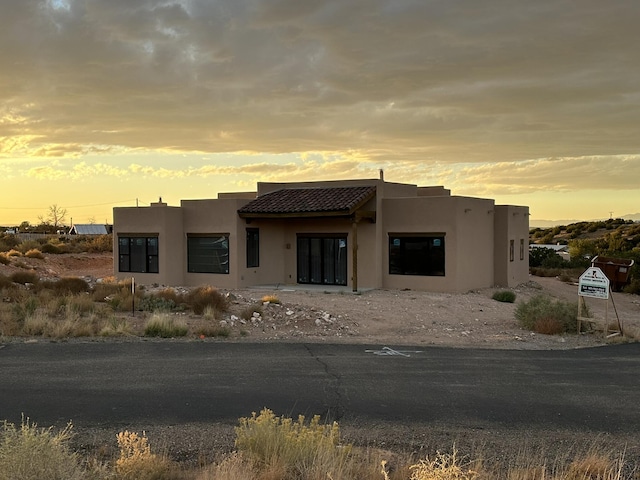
{"x": 92, "y": 220}
{"x": 24, "y": 226}
{"x": 55, "y": 216}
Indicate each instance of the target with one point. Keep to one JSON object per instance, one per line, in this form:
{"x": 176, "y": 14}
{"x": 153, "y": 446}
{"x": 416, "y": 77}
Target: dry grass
{"x": 32, "y": 453}
{"x": 207, "y": 296}
{"x": 279, "y": 448}
{"x": 270, "y": 299}
{"x": 165, "y": 326}
{"x": 34, "y": 253}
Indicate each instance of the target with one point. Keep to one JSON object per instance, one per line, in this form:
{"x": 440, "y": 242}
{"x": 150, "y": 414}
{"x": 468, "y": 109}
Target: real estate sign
{"x": 593, "y": 283}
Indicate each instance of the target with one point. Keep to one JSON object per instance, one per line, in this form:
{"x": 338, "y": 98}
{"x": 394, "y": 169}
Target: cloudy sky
{"x": 109, "y": 102}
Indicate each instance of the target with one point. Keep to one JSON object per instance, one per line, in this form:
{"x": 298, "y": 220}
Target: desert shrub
{"x": 36, "y": 323}
{"x": 165, "y": 326}
{"x": 101, "y": 291}
{"x": 233, "y": 466}
{"x": 443, "y": 466}
{"x": 4, "y": 259}
{"x": 7, "y": 242}
{"x": 70, "y": 285}
{"x": 170, "y": 294}
{"x": 99, "y": 244}
{"x": 632, "y": 287}
{"x": 506, "y": 296}
{"x": 32, "y": 453}
{"x": 153, "y": 303}
{"x": 292, "y": 450}
{"x": 24, "y": 277}
{"x": 551, "y": 316}
{"x": 136, "y": 462}
{"x": 545, "y": 272}
{"x": 202, "y": 297}
{"x": 73, "y": 326}
{"x": 26, "y": 245}
{"x": 14, "y": 253}
{"x": 53, "y": 249}
{"x": 34, "y": 253}
{"x": 25, "y": 307}
{"x": 115, "y": 327}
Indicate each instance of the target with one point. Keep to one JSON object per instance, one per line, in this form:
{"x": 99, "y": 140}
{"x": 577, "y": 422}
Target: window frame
{"x": 401, "y": 262}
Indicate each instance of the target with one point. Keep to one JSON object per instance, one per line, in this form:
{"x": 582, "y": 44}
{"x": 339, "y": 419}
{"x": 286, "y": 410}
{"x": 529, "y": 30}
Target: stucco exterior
{"x": 475, "y": 243}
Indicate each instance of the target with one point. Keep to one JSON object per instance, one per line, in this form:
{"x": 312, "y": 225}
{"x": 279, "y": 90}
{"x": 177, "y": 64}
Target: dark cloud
{"x": 462, "y": 81}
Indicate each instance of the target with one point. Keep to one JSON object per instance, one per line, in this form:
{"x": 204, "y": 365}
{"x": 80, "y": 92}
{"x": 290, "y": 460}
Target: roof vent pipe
{"x": 382, "y": 175}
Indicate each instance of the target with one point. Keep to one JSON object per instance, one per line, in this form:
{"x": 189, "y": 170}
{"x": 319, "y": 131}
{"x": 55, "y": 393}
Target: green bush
{"x": 506, "y": 296}
{"x": 542, "y": 314}
{"x": 32, "y": 453}
{"x": 153, "y": 303}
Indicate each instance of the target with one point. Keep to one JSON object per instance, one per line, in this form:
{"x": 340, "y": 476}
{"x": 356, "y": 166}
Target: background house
{"x": 352, "y": 233}
{"x": 88, "y": 229}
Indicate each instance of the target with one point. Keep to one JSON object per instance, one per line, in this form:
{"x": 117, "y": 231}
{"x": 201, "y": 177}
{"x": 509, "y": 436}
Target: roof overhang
{"x": 333, "y": 202}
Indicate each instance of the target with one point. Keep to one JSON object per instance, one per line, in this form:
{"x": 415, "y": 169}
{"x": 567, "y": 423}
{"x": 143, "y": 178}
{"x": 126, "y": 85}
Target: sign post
{"x": 595, "y": 284}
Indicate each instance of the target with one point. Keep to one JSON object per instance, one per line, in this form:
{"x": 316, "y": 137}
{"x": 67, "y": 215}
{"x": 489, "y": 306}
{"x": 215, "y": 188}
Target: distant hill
{"x": 612, "y": 234}
{"x": 635, "y": 217}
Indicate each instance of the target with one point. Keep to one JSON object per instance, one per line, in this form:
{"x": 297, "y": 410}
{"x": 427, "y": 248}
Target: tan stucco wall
{"x": 512, "y": 223}
{"x": 216, "y": 217}
{"x": 468, "y": 231}
{"x": 166, "y": 223}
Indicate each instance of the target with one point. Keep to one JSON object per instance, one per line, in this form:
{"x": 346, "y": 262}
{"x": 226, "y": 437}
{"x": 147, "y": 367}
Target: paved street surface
{"x": 171, "y": 382}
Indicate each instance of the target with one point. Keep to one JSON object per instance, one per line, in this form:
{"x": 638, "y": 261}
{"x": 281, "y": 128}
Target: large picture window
{"x": 416, "y": 255}
{"x": 138, "y": 254}
{"x": 208, "y": 254}
{"x": 253, "y": 247}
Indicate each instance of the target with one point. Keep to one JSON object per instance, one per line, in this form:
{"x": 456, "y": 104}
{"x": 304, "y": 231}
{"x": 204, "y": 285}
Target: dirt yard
{"x": 380, "y": 317}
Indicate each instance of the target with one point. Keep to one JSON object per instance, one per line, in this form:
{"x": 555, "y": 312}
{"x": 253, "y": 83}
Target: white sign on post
{"x": 593, "y": 283}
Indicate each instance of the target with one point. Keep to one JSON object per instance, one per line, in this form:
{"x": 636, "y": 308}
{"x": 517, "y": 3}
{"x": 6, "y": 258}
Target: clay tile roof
{"x": 309, "y": 201}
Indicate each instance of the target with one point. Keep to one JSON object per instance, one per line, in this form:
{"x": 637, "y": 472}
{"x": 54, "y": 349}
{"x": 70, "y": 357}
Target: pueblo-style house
{"x": 359, "y": 234}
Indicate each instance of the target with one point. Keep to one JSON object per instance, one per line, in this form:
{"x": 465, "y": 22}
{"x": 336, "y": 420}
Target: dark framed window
{"x": 417, "y": 255}
{"x": 208, "y": 253}
{"x": 253, "y": 247}
{"x": 138, "y": 254}
{"x": 522, "y": 249}
{"x": 511, "y": 250}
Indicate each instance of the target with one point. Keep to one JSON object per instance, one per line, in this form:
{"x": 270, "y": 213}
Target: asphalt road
{"x": 167, "y": 382}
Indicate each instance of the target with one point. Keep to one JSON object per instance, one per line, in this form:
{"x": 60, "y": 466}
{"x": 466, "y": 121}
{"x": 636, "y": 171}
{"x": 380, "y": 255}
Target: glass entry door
{"x": 322, "y": 260}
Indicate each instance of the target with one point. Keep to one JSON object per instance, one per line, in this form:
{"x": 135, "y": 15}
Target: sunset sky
{"x": 109, "y": 102}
